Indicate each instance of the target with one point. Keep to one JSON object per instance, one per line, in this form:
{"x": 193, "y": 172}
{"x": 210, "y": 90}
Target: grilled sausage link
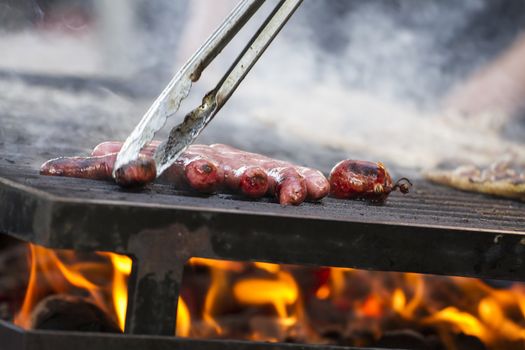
{"x": 205, "y": 169}
{"x": 210, "y": 172}
{"x": 195, "y": 173}
{"x": 95, "y": 168}
{"x": 317, "y": 186}
{"x": 356, "y": 179}
{"x": 290, "y": 186}
{"x": 189, "y": 171}
{"x": 137, "y": 173}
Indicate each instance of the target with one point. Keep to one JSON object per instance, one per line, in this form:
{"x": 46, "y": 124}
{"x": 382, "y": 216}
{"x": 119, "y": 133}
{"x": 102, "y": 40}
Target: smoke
{"x": 19, "y": 14}
{"x": 356, "y": 79}
{"x": 369, "y": 78}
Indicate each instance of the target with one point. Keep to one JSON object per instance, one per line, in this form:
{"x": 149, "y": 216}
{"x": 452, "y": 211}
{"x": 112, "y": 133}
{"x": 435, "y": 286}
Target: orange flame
{"x": 281, "y": 293}
{"x": 463, "y": 321}
{"x": 448, "y": 305}
{"x": 183, "y": 319}
{"x": 122, "y": 266}
{"x": 60, "y": 271}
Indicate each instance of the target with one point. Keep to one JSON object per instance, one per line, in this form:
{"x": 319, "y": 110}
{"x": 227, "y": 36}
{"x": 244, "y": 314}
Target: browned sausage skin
{"x": 253, "y": 182}
{"x": 95, "y": 168}
{"x": 212, "y": 168}
{"x": 317, "y": 186}
{"x": 137, "y": 173}
{"x": 190, "y": 171}
{"x": 224, "y": 169}
{"x": 356, "y": 179}
{"x": 203, "y": 175}
{"x": 290, "y": 186}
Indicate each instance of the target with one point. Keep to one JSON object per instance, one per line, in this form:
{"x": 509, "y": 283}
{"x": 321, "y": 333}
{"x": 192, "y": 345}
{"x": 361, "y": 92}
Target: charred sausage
{"x": 136, "y": 173}
{"x": 355, "y": 179}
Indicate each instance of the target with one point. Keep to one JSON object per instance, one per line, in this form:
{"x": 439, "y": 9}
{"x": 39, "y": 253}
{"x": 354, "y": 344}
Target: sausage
{"x": 253, "y": 182}
{"x": 290, "y": 186}
{"x": 137, "y": 173}
{"x": 227, "y": 172}
{"x": 239, "y": 174}
{"x": 109, "y": 147}
{"x": 95, "y": 168}
{"x": 356, "y": 179}
{"x": 317, "y": 185}
{"x": 199, "y": 174}
{"x": 203, "y": 175}
{"x": 211, "y": 168}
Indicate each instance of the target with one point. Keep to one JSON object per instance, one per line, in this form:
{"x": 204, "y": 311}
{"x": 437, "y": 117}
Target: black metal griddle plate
{"x": 432, "y": 230}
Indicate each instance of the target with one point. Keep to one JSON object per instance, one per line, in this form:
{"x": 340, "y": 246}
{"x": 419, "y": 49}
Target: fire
{"x": 280, "y": 292}
{"x": 62, "y": 272}
{"x": 122, "y": 270}
{"x": 463, "y": 321}
{"x": 270, "y": 302}
{"x": 183, "y": 319}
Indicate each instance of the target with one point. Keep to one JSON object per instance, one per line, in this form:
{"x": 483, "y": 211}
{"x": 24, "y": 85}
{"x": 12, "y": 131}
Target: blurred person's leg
{"x": 203, "y": 17}
{"x": 116, "y": 27}
{"x": 496, "y": 92}
{"x": 18, "y": 14}
{"x": 140, "y": 39}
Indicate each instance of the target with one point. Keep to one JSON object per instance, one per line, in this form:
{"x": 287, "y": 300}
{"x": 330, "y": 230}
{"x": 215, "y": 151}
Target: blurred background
{"x": 407, "y": 82}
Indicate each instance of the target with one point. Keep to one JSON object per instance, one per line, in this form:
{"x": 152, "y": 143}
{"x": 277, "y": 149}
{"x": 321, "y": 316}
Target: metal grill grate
{"x": 433, "y": 230}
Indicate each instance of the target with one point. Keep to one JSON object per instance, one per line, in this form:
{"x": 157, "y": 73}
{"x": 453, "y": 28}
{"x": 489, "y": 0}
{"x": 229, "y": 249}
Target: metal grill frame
{"x": 73, "y": 214}
{"x": 14, "y": 338}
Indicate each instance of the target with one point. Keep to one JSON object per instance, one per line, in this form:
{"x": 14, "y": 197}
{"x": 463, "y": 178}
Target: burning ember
{"x": 280, "y": 303}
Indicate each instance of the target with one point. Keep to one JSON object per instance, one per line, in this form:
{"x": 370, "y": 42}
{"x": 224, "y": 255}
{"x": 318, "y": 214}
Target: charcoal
{"x": 69, "y": 313}
{"x": 464, "y": 341}
{"x": 402, "y": 339}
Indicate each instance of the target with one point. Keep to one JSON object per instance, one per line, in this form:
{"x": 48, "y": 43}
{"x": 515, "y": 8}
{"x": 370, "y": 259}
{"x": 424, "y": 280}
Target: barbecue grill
{"x": 434, "y": 230}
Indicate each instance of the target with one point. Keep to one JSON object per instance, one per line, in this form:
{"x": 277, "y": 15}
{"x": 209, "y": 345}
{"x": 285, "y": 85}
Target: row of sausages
{"x": 216, "y": 168}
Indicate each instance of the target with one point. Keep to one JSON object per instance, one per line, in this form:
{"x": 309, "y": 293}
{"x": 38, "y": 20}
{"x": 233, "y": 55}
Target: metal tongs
{"x": 168, "y": 103}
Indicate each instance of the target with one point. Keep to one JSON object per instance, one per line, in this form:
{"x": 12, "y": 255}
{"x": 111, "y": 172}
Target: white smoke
{"x": 366, "y": 79}
{"x": 379, "y": 96}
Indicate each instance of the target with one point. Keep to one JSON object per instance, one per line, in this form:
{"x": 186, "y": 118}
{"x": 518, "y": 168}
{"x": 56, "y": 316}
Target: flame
{"x": 23, "y": 318}
{"x": 62, "y": 272}
{"x": 339, "y": 280}
{"x": 323, "y": 292}
{"x": 372, "y": 307}
{"x": 183, "y": 319}
{"x": 218, "y": 288}
{"x": 280, "y": 299}
{"x": 399, "y": 301}
{"x": 280, "y": 292}
{"x": 122, "y": 270}
{"x": 270, "y": 268}
{"x": 464, "y": 321}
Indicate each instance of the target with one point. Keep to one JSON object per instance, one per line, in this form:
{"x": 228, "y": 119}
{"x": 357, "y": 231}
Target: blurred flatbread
{"x": 504, "y": 178}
